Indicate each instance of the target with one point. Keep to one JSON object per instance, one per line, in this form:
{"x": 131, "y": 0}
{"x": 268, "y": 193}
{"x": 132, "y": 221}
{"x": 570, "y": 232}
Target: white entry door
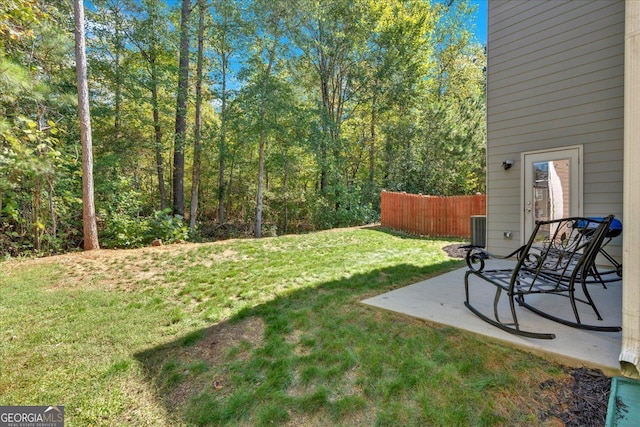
{"x": 552, "y": 186}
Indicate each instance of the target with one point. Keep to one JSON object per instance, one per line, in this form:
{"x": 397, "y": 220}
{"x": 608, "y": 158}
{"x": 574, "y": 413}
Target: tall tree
{"x": 391, "y": 72}
{"x": 118, "y": 37}
{"x": 271, "y": 15}
{"x": 149, "y": 36}
{"x": 109, "y": 21}
{"x": 452, "y": 150}
{"x": 181, "y": 111}
{"x": 227, "y": 31}
{"x": 332, "y": 33}
{"x": 197, "y": 143}
{"x": 90, "y": 228}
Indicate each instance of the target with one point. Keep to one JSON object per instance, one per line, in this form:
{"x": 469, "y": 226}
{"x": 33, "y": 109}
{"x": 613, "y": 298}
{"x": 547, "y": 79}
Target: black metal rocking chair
{"x": 559, "y": 256}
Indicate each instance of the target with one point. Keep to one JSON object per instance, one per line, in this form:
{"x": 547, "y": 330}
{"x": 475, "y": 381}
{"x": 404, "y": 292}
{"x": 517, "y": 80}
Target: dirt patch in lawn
{"x": 197, "y": 364}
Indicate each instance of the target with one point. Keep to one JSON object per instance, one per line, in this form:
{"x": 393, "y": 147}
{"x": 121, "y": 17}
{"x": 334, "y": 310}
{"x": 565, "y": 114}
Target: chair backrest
{"x": 562, "y": 250}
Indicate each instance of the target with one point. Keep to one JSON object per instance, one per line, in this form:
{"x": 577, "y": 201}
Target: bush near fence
{"x": 435, "y": 216}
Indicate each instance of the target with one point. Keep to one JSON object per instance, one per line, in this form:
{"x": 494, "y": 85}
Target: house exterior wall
{"x": 555, "y": 78}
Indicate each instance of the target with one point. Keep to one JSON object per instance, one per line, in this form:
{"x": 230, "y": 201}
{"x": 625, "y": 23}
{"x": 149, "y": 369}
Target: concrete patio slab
{"x": 441, "y": 300}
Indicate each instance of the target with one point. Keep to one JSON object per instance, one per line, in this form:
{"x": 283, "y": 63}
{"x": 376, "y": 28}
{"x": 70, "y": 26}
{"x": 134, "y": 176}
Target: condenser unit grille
{"x": 478, "y": 230}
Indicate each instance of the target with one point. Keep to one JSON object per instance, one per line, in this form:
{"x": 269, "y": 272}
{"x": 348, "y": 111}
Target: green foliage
{"x": 38, "y": 189}
{"x": 127, "y": 231}
{"x": 123, "y": 231}
{"x": 38, "y": 203}
{"x": 166, "y": 227}
{"x": 345, "y": 98}
{"x": 125, "y": 226}
{"x": 342, "y": 208}
{"x": 17, "y": 19}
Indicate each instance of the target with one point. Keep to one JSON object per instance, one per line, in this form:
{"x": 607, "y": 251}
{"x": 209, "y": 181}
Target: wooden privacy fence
{"x": 431, "y": 215}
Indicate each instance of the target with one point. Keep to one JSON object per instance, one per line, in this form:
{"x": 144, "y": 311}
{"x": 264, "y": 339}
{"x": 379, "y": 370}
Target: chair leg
{"x": 572, "y": 299}
{"x": 593, "y": 271}
{"x": 496, "y": 299}
{"x": 590, "y": 301}
{"x": 513, "y": 311}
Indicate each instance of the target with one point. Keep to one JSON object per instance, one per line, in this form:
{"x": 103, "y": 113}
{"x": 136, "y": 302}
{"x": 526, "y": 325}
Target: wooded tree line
{"x": 220, "y": 116}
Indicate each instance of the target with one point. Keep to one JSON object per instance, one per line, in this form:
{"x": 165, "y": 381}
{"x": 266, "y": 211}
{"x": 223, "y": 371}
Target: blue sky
{"x": 481, "y": 20}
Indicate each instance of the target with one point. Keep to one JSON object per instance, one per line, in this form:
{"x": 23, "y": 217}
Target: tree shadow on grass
{"x": 307, "y": 357}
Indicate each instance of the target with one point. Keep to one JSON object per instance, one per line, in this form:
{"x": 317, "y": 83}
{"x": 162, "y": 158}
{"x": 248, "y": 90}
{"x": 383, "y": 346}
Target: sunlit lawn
{"x": 252, "y": 332}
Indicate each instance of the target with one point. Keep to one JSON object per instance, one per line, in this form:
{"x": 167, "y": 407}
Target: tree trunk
{"x": 36, "y": 215}
{"x": 52, "y": 209}
{"x": 263, "y": 130}
{"x": 332, "y": 90}
{"x": 157, "y": 131}
{"x": 388, "y": 161}
{"x": 230, "y": 182}
{"x": 181, "y": 111}
{"x": 222, "y": 147}
{"x": 151, "y": 56}
{"x": 285, "y": 187}
{"x": 118, "y": 80}
{"x": 90, "y": 228}
{"x": 259, "y": 195}
{"x": 197, "y": 146}
{"x": 372, "y": 145}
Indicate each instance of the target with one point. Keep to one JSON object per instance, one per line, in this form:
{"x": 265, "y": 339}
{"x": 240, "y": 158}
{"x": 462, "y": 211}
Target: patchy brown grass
{"x": 262, "y": 332}
{"x": 213, "y": 350}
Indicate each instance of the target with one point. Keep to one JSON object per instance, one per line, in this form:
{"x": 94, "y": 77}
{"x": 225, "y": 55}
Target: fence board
{"x": 431, "y": 215}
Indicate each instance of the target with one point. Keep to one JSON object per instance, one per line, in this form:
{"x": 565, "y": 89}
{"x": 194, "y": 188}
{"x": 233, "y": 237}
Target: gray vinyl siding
{"x": 555, "y": 78}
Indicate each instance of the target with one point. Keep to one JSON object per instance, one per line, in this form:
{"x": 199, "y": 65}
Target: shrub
{"x": 166, "y": 227}
{"x": 343, "y": 209}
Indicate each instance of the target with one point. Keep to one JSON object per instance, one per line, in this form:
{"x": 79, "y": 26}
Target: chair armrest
{"x": 476, "y": 257}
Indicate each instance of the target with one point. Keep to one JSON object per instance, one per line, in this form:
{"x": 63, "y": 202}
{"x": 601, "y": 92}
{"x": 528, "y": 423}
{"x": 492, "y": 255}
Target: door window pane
{"x": 551, "y": 189}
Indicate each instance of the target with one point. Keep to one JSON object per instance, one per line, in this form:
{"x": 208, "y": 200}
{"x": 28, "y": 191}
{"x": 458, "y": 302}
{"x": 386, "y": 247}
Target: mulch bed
{"x": 583, "y": 400}
{"x": 457, "y": 250}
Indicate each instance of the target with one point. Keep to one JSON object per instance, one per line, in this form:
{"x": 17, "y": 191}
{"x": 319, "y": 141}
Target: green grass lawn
{"x": 254, "y": 332}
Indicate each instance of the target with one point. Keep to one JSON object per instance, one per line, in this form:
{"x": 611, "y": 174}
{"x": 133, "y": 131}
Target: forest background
{"x": 218, "y": 118}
